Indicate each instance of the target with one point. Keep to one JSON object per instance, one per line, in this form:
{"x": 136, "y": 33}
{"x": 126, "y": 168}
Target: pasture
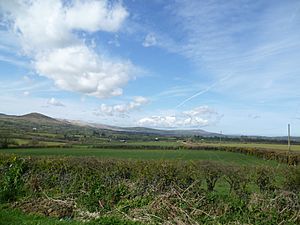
{"x": 217, "y": 156}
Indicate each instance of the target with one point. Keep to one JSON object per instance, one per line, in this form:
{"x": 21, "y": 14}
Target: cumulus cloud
{"x": 150, "y": 40}
{"x": 77, "y": 68}
{"x": 158, "y": 121}
{"x": 54, "y": 102}
{"x": 47, "y": 32}
{"x": 197, "y": 117}
{"x": 100, "y": 16}
{"x": 122, "y": 109}
{"x": 173, "y": 121}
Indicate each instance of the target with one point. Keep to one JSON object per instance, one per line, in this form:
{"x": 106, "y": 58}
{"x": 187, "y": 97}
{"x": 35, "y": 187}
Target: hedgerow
{"x": 151, "y": 191}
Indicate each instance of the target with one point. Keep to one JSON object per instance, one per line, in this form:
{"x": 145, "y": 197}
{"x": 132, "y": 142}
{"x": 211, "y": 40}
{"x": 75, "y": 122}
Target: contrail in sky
{"x": 203, "y": 91}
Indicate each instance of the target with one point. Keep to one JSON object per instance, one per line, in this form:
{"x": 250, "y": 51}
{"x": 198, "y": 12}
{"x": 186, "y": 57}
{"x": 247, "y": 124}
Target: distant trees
{"x": 5, "y": 139}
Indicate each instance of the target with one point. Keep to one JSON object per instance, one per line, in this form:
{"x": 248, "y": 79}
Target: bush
{"x": 212, "y": 174}
{"x": 292, "y": 179}
{"x": 265, "y": 179}
{"x": 238, "y": 179}
{"x": 11, "y": 182}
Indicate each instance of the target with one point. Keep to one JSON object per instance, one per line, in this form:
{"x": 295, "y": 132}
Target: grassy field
{"x": 281, "y": 147}
{"x": 149, "y": 143}
{"x": 219, "y": 156}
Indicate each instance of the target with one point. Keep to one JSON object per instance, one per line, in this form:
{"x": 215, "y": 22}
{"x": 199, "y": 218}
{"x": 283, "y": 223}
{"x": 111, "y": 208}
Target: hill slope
{"x": 45, "y": 123}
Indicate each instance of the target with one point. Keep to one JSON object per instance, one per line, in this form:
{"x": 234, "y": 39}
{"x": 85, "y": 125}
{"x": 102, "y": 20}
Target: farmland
{"x": 65, "y": 174}
{"x": 218, "y": 156}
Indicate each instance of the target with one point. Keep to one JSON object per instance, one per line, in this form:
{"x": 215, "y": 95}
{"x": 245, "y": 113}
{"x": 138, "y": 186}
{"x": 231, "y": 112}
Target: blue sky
{"x": 230, "y": 66}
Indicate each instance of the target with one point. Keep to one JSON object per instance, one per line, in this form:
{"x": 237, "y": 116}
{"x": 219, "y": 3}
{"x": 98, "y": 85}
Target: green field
{"x": 254, "y": 145}
{"x": 219, "y": 156}
{"x": 150, "y": 143}
{"x": 282, "y": 147}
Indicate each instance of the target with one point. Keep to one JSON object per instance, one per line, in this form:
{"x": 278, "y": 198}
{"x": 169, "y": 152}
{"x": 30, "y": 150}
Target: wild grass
{"x": 9, "y": 216}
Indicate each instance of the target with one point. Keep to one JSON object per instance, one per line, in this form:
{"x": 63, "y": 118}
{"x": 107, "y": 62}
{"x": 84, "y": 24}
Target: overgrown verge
{"x": 158, "y": 192}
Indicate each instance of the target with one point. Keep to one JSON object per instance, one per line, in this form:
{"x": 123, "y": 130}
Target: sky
{"x": 230, "y": 66}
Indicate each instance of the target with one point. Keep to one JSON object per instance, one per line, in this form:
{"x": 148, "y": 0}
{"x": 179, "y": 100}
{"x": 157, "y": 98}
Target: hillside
{"x": 45, "y": 123}
{"x": 39, "y": 118}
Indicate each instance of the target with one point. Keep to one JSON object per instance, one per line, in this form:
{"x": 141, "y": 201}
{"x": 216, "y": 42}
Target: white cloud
{"x": 77, "y": 68}
{"x": 46, "y": 32}
{"x": 95, "y": 15}
{"x": 173, "y": 121}
{"x": 150, "y": 40}
{"x": 200, "y": 111}
{"x": 158, "y": 121}
{"x": 39, "y": 24}
{"x": 54, "y": 102}
{"x": 197, "y": 117}
{"x": 26, "y": 93}
{"x": 122, "y": 109}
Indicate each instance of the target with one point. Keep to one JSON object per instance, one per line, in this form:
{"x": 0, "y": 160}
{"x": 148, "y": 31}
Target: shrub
{"x": 292, "y": 179}
{"x": 265, "y": 179}
{"x": 212, "y": 174}
{"x": 237, "y": 178}
{"x": 11, "y": 183}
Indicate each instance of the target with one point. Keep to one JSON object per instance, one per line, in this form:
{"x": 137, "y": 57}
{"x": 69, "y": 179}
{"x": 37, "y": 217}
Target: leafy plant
{"x": 11, "y": 183}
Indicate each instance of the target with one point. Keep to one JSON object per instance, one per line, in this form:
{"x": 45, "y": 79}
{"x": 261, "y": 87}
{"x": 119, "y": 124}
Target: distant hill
{"x": 30, "y": 117}
{"x": 38, "y": 117}
{"x": 145, "y": 130}
{"x": 198, "y": 132}
{"x": 36, "y": 120}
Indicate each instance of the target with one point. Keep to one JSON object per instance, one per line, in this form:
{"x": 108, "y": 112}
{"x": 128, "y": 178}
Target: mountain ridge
{"x": 41, "y": 119}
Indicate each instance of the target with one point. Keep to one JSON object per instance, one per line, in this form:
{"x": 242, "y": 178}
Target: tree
{"x": 5, "y": 139}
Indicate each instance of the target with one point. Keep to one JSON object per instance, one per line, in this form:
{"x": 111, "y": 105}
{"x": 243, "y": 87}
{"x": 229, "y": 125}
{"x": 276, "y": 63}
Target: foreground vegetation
{"x": 149, "y": 191}
{"x": 9, "y": 216}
